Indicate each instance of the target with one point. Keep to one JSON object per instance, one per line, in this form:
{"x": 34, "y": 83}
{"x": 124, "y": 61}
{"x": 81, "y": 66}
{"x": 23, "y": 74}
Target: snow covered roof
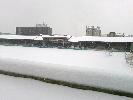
{"x": 21, "y": 37}
{"x": 101, "y": 39}
{"x": 33, "y": 37}
{"x": 56, "y": 36}
{"x": 72, "y": 39}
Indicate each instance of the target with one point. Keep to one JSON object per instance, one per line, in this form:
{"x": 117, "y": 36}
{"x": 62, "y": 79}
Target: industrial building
{"x": 32, "y": 31}
{"x": 103, "y": 43}
{"x": 84, "y": 42}
{"x": 92, "y": 31}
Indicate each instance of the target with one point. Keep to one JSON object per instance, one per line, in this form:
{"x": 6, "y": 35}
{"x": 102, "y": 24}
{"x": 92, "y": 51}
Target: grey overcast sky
{"x": 68, "y": 16}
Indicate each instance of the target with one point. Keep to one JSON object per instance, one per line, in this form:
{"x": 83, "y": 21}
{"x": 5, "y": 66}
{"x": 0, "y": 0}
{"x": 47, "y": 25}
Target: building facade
{"x": 113, "y": 34}
{"x": 31, "y": 31}
{"x": 92, "y": 31}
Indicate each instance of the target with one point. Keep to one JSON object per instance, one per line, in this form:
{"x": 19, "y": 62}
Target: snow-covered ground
{"x": 89, "y": 67}
{"x": 12, "y": 88}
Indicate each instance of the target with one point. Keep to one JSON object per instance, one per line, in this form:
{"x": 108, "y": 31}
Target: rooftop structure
{"x": 92, "y": 31}
{"x": 113, "y": 34}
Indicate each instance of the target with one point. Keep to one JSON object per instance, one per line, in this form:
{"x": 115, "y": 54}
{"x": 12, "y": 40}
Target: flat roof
{"x": 72, "y": 39}
{"x": 21, "y": 37}
{"x": 32, "y": 37}
{"x": 101, "y": 39}
{"x": 56, "y": 36}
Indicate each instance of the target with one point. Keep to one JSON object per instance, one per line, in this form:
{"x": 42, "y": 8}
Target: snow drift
{"x": 93, "y": 68}
{"x": 12, "y": 88}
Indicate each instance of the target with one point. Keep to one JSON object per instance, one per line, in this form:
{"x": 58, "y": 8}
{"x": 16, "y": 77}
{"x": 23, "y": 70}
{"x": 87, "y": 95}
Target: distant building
{"x": 31, "y": 31}
{"x": 6, "y": 33}
{"x": 113, "y": 34}
{"x": 120, "y": 35}
{"x": 92, "y": 31}
{"x": 129, "y": 35}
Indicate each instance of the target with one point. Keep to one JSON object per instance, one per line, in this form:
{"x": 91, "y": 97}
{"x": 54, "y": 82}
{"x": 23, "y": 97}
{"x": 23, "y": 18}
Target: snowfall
{"x": 87, "y": 67}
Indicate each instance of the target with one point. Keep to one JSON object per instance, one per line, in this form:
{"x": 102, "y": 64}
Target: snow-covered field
{"x": 89, "y": 67}
{"x": 12, "y": 88}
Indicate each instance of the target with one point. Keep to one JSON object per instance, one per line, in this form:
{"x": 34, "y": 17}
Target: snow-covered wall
{"x": 93, "y": 68}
